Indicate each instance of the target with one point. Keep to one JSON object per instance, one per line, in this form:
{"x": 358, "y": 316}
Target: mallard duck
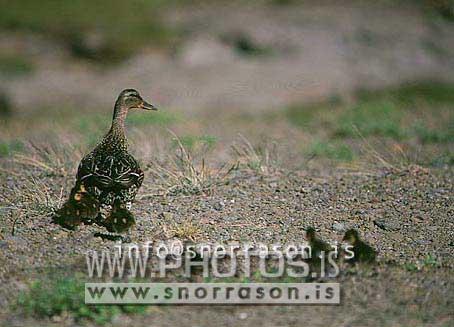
{"x": 362, "y": 252}
{"x": 109, "y": 173}
{"x": 317, "y": 245}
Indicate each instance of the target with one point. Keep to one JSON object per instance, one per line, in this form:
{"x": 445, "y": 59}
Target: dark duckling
{"x": 81, "y": 207}
{"x": 317, "y": 245}
{"x": 120, "y": 219}
{"x": 362, "y": 252}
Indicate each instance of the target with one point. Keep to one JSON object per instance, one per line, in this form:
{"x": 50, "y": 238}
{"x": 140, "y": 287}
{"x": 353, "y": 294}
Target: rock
{"x": 219, "y": 206}
{"x": 339, "y": 227}
{"x": 386, "y": 225}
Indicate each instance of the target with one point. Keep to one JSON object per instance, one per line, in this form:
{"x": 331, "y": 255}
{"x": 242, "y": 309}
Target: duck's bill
{"x": 147, "y": 106}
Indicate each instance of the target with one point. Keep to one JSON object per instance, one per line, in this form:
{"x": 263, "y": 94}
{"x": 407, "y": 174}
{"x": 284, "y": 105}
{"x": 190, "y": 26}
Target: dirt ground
{"x": 262, "y": 166}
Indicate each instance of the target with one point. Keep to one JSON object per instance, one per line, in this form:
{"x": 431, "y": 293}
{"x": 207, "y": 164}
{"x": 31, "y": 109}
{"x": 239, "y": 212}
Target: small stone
{"x": 219, "y": 206}
{"x": 339, "y": 227}
{"x": 386, "y": 225}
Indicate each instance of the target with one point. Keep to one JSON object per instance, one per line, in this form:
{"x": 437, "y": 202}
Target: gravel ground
{"x": 405, "y": 215}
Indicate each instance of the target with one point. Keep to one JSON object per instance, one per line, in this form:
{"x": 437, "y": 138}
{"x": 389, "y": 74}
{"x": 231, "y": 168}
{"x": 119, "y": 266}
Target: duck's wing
{"x": 110, "y": 171}
{"x": 95, "y": 171}
{"x": 127, "y": 172}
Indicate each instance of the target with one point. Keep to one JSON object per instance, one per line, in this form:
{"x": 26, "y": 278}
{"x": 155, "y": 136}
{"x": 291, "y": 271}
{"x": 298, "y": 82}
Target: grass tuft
{"x": 46, "y": 159}
{"x": 183, "y": 175}
{"x": 260, "y": 160}
{"x": 186, "y": 230}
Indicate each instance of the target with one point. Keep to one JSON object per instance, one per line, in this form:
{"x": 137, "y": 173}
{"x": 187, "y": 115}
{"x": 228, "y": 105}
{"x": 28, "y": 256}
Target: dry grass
{"x": 31, "y": 198}
{"x": 394, "y": 158}
{"x": 185, "y": 230}
{"x": 182, "y": 174}
{"x": 262, "y": 161}
{"x": 53, "y": 159}
{"x": 34, "y": 182}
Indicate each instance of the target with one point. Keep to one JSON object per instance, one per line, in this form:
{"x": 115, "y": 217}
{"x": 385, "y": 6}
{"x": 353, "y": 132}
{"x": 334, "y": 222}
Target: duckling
{"x": 81, "y": 207}
{"x": 362, "y": 252}
{"x": 317, "y": 245}
{"x": 120, "y": 219}
{"x": 109, "y": 173}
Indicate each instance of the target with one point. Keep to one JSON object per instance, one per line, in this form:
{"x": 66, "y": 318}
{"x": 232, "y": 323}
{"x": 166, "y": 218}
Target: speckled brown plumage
{"x": 110, "y": 174}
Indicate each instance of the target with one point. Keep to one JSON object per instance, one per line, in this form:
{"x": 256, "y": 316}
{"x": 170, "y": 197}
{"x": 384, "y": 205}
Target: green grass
{"x": 14, "y": 65}
{"x": 7, "y": 148}
{"x": 92, "y": 127}
{"x": 380, "y": 118}
{"x": 63, "y": 295}
{"x": 331, "y": 150}
{"x": 443, "y": 159}
{"x": 430, "y": 261}
{"x": 305, "y": 115}
{"x": 426, "y": 92}
{"x": 192, "y": 141}
{"x": 144, "y": 118}
{"x": 118, "y": 28}
{"x": 394, "y": 113}
{"x": 428, "y": 135}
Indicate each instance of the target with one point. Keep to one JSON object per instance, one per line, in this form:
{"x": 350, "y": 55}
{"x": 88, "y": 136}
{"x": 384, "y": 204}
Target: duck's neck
{"x": 117, "y": 130}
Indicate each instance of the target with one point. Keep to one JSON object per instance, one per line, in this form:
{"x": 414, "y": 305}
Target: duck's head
{"x": 131, "y": 99}
{"x": 79, "y": 192}
{"x": 310, "y": 233}
{"x": 351, "y": 236}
